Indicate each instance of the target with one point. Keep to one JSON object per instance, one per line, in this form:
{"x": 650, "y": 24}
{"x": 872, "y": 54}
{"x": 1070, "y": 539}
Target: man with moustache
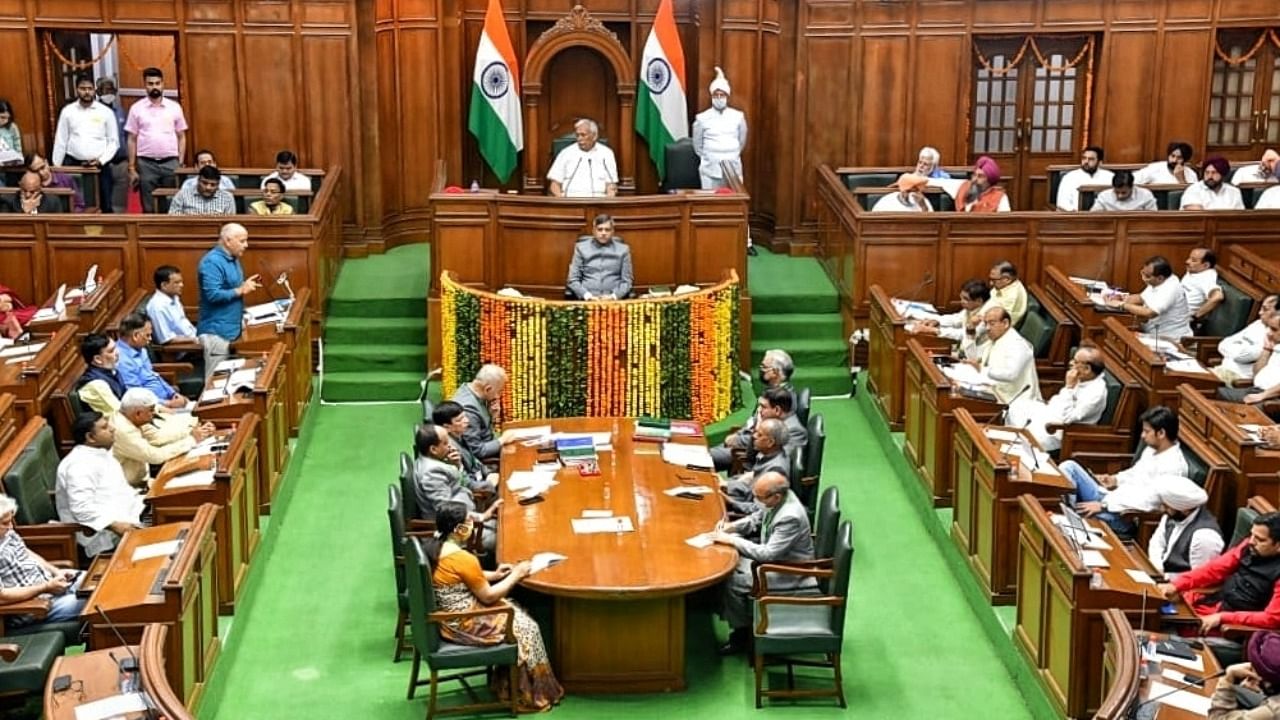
{"x": 1213, "y": 192}
{"x": 982, "y": 193}
{"x": 157, "y": 130}
{"x": 87, "y": 135}
{"x": 1173, "y": 171}
{"x": 1090, "y": 172}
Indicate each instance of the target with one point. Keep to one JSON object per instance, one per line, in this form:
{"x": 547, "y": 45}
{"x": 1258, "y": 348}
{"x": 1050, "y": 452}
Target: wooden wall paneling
{"x": 392, "y": 159}
{"x": 1135, "y": 11}
{"x": 1261, "y": 12}
{"x": 213, "y": 97}
{"x": 655, "y": 238}
{"x": 1189, "y": 10}
{"x": 210, "y": 11}
{"x": 941, "y": 13}
{"x": 789, "y": 119}
{"x": 828, "y": 91}
{"x": 972, "y": 248}
{"x": 882, "y": 136}
{"x": 1124, "y": 92}
{"x": 896, "y": 265}
{"x": 935, "y": 122}
{"x": 268, "y": 12}
{"x": 1062, "y": 14}
{"x": 274, "y": 111}
{"x": 72, "y": 248}
{"x": 366, "y": 173}
{"x": 1012, "y": 16}
{"x": 325, "y": 86}
{"x": 71, "y": 10}
{"x": 1145, "y": 237}
{"x": 1181, "y": 110}
{"x": 762, "y": 177}
{"x": 22, "y": 84}
{"x": 1083, "y": 248}
{"x": 418, "y": 122}
{"x": 22, "y": 263}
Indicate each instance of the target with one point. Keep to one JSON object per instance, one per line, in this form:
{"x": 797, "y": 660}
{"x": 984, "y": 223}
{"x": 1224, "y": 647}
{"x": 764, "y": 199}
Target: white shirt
{"x": 1169, "y": 302}
{"x": 295, "y": 183}
{"x": 91, "y": 491}
{"x": 1083, "y": 403}
{"x": 1140, "y": 199}
{"x": 1070, "y": 184}
{"x": 1251, "y": 174}
{"x": 1226, "y": 197}
{"x": 719, "y": 135}
{"x": 1136, "y": 487}
{"x": 86, "y": 133}
{"x": 1010, "y": 363}
{"x": 1206, "y": 544}
{"x": 893, "y": 203}
{"x": 1197, "y": 286}
{"x": 1157, "y": 173}
{"x": 1269, "y": 376}
{"x": 1269, "y": 200}
{"x": 1240, "y": 351}
{"x": 952, "y": 325}
{"x": 584, "y": 173}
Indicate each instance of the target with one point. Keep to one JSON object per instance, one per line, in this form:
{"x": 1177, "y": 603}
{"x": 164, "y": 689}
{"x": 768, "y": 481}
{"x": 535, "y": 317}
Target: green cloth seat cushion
{"x": 28, "y": 671}
{"x": 797, "y": 629}
{"x": 450, "y": 656}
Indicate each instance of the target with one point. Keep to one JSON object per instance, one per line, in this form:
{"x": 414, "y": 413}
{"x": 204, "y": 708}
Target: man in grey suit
{"x": 601, "y": 266}
{"x": 479, "y": 400}
{"x": 785, "y": 536}
{"x": 776, "y": 368}
{"x": 450, "y": 416}
{"x": 437, "y": 479}
{"x": 770, "y": 443}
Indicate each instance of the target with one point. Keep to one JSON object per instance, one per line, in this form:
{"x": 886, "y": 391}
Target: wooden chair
{"x": 424, "y": 618}
{"x": 29, "y": 476}
{"x": 395, "y": 514}
{"x": 791, "y": 625}
{"x": 824, "y": 539}
{"x": 810, "y": 476}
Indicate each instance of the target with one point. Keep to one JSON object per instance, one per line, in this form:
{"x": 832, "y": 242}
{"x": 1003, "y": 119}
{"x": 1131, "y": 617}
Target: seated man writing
{"x": 601, "y": 266}
{"x": 1188, "y": 535}
{"x": 1137, "y": 489}
{"x": 1244, "y": 579}
{"x": 437, "y": 479}
{"x": 785, "y": 536}
{"x": 776, "y": 368}
{"x": 1009, "y": 362}
{"x": 91, "y": 489}
{"x": 144, "y": 437}
{"x": 25, "y": 575}
{"x": 1162, "y": 305}
{"x": 964, "y": 327}
{"x": 1082, "y": 399}
{"x": 770, "y": 443}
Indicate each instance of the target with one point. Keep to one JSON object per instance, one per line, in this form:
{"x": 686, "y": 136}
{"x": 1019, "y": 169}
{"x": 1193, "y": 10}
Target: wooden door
{"x": 1244, "y": 97}
{"x": 1027, "y": 115}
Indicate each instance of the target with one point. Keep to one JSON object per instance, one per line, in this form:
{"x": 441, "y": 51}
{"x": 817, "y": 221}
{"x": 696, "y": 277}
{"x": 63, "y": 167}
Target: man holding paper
{"x": 437, "y": 479}
{"x": 145, "y": 437}
{"x": 223, "y": 287}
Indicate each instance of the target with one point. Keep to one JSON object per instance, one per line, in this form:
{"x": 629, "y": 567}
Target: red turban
{"x": 1219, "y": 163}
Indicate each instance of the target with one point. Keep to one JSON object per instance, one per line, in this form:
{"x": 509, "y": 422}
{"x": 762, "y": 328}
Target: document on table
{"x": 543, "y": 560}
{"x": 588, "y": 526}
{"x": 599, "y": 440}
{"x": 522, "y": 480}
{"x": 155, "y": 550}
{"x": 1002, "y": 436}
{"x": 213, "y": 394}
{"x": 687, "y": 455}
{"x": 529, "y": 433}
{"x": 110, "y": 707}
{"x": 13, "y": 350}
{"x": 229, "y": 365}
{"x": 1196, "y": 665}
{"x": 966, "y": 374}
{"x": 688, "y": 490}
{"x": 1182, "y": 699}
{"x": 198, "y": 478}
{"x": 701, "y": 540}
{"x": 1093, "y": 559}
{"x": 913, "y": 308}
{"x": 1139, "y": 577}
{"x": 247, "y": 377}
{"x": 91, "y": 279}
{"x": 1189, "y": 365}
{"x": 597, "y": 513}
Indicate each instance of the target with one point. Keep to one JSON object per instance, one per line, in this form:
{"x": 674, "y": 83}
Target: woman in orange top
{"x": 461, "y": 584}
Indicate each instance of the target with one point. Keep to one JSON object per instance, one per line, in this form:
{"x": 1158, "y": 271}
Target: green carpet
{"x": 795, "y": 307}
{"x": 314, "y": 638}
{"x": 376, "y": 335}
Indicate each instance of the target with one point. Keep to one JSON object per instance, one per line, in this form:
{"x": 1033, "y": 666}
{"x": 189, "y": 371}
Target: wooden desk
{"x": 1059, "y": 610}
{"x": 268, "y": 401}
{"x": 1073, "y": 300}
{"x": 1148, "y": 368}
{"x": 492, "y": 240}
{"x": 95, "y": 676}
{"x": 234, "y": 490}
{"x": 9, "y": 424}
{"x": 619, "y": 598}
{"x": 930, "y": 421}
{"x": 295, "y": 333}
{"x": 1253, "y": 464}
{"x": 33, "y": 383}
{"x": 91, "y": 312}
{"x": 1123, "y": 674}
{"x": 184, "y": 599}
{"x": 986, "y": 517}
{"x": 887, "y": 353}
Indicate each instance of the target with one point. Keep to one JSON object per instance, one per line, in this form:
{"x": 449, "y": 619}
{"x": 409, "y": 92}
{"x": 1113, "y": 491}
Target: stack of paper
{"x": 690, "y": 456}
{"x": 1189, "y": 365}
{"x": 21, "y": 350}
{"x": 530, "y": 483}
{"x": 155, "y": 550}
{"x": 587, "y": 526}
{"x": 212, "y": 395}
{"x": 113, "y": 706}
{"x": 538, "y": 433}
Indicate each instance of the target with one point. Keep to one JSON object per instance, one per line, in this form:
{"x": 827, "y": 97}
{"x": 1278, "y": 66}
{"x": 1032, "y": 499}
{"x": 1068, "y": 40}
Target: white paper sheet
{"x": 243, "y": 377}
{"x": 155, "y": 550}
{"x": 966, "y": 374}
{"x": 521, "y": 480}
{"x": 60, "y": 300}
{"x": 196, "y": 478}
{"x": 543, "y": 560}
{"x": 913, "y": 308}
{"x": 597, "y": 513}
{"x": 688, "y": 490}
{"x": 587, "y": 526}
{"x": 1001, "y": 436}
{"x": 701, "y": 540}
{"x": 19, "y": 350}
{"x": 1183, "y": 699}
{"x": 109, "y": 707}
{"x": 229, "y": 365}
{"x": 530, "y": 433}
{"x": 213, "y": 394}
{"x": 1190, "y": 365}
{"x": 1094, "y": 559}
{"x": 91, "y": 280}
{"x": 1139, "y": 577}
{"x": 687, "y": 455}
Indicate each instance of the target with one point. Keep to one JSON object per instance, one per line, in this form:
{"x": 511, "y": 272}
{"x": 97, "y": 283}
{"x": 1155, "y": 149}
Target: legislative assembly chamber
{"x": 551, "y": 356}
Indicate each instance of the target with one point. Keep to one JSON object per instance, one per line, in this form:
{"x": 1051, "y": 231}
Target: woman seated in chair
{"x": 14, "y": 316}
{"x": 460, "y": 584}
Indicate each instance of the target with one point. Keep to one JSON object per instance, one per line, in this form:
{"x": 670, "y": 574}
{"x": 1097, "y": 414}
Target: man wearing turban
{"x": 909, "y": 198}
{"x": 1261, "y": 675}
{"x": 982, "y": 193}
{"x": 1173, "y": 171}
{"x": 719, "y": 136}
{"x": 1266, "y": 171}
{"x": 1213, "y": 192}
{"x": 1188, "y": 535}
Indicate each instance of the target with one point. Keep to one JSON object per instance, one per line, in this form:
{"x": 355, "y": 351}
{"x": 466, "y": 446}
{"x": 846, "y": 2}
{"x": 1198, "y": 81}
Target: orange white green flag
{"x": 495, "y": 118}
{"x": 662, "y": 113}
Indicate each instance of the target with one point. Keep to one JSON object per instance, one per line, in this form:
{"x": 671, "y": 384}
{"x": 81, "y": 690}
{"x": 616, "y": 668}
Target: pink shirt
{"x": 156, "y": 126}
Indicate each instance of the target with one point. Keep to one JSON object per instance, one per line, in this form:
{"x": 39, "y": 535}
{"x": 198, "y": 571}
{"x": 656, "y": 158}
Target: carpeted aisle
{"x": 794, "y": 306}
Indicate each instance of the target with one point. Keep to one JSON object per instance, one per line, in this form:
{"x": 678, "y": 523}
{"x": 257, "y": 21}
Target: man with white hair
{"x": 145, "y": 437}
{"x": 776, "y": 368}
{"x": 481, "y": 400}
{"x": 585, "y": 169}
{"x": 1188, "y": 535}
{"x": 223, "y": 287}
{"x": 91, "y": 489}
{"x": 1266, "y": 171}
{"x": 770, "y": 443}
{"x": 25, "y": 575}
{"x": 929, "y": 165}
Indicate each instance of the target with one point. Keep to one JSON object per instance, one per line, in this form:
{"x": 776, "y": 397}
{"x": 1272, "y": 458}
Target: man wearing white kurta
{"x": 91, "y": 489}
{"x": 1213, "y": 192}
{"x": 1009, "y": 364}
{"x": 1174, "y": 171}
{"x": 1264, "y": 172}
{"x": 719, "y": 135}
{"x": 964, "y": 327}
{"x": 1240, "y": 351}
{"x": 1200, "y": 283}
{"x": 1082, "y": 399}
{"x": 1162, "y": 304}
{"x": 1089, "y": 173}
{"x": 585, "y": 169}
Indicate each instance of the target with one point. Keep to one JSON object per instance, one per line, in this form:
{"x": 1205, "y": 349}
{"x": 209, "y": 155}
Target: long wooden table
{"x": 619, "y": 598}
{"x": 986, "y": 515}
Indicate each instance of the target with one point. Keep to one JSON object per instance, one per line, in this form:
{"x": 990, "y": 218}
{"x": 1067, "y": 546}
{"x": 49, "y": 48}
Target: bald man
{"x": 480, "y": 400}
{"x": 223, "y": 287}
{"x": 31, "y": 198}
{"x": 1082, "y": 399}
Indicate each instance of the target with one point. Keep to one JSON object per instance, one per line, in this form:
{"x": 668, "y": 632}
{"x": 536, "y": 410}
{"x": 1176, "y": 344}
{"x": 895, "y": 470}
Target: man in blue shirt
{"x": 222, "y": 290}
{"x": 168, "y": 318}
{"x": 134, "y": 365}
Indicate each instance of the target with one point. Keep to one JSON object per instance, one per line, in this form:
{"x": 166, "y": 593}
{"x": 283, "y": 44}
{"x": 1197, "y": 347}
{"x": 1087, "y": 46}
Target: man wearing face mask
{"x": 157, "y": 139}
{"x": 1188, "y": 535}
{"x": 117, "y": 168}
{"x": 87, "y": 135}
{"x": 719, "y": 135}
{"x": 776, "y": 368}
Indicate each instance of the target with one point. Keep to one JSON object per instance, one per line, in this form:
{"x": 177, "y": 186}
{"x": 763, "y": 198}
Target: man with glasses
{"x": 25, "y": 575}
{"x": 1082, "y": 399}
{"x": 775, "y": 371}
{"x": 785, "y": 536}
{"x": 1008, "y": 290}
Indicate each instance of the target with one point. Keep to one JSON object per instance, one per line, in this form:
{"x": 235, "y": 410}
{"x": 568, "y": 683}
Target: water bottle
{"x": 475, "y": 186}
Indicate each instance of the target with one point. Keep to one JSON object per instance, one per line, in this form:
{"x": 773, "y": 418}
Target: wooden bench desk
{"x": 95, "y": 675}
{"x": 90, "y": 313}
{"x": 1122, "y": 344}
{"x": 295, "y": 333}
{"x": 887, "y": 352}
{"x": 34, "y": 382}
{"x": 1127, "y": 683}
{"x": 1254, "y": 465}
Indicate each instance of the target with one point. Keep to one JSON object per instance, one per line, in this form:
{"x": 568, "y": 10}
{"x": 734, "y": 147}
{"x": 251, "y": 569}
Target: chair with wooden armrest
{"x": 1229, "y": 318}
{"x": 470, "y": 660}
{"x": 791, "y": 625}
{"x": 25, "y": 662}
{"x": 30, "y": 480}
{"x": 72, "y": 631}
{"x": 824, "y": 538}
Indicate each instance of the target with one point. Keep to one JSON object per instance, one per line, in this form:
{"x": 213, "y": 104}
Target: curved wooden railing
{"x": 151, "y": 652}
{"x": 1119, "y": 667}
{"x": 672, "y": 356}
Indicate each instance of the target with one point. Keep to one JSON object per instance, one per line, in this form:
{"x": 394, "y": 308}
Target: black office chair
{"x": 682, "y": 166}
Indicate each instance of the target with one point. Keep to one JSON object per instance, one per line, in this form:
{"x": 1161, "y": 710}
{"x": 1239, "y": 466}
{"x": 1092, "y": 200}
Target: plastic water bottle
{"x": 475, "y": 186}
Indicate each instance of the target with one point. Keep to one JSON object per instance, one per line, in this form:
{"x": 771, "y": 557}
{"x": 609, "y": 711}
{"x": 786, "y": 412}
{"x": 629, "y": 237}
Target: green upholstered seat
{"x": 827, "y": 527}
{"x": 395, "y": 516}
{"x": 30, "y": 480}
{"x": 1114, "y": 390}
{"x": 26, "y": 673}
{"x": 428, "y": 408}
{"x": 1169, "y": 199}
{"x": 1244, "y": 521}
{"x": 1231, "y": 315}
{"x": 798, "y": 629}
{"x": 407, "y": 496}
{"x": 1038, "y": 330}
{"x": 449, "y": 656}
{"x": 813, "y": 451}
{"x": 853, "y": 181}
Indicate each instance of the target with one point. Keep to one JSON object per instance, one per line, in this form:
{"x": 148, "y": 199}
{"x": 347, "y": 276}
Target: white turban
{"x": 1180, "y": 493}
{"x": 720, "y": 83}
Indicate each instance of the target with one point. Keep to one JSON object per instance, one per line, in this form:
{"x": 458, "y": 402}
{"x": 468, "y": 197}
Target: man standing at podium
{"x": 586, "y": 168}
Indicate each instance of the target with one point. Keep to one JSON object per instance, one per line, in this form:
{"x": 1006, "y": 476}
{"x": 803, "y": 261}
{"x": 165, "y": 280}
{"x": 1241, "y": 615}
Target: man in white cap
{"x": 719, "y": 135}
{"x": 1188, "y": 535}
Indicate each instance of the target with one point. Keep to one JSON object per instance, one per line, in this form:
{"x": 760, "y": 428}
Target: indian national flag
{"x": 662, "y": 115}
{"x": 495, "y": 96}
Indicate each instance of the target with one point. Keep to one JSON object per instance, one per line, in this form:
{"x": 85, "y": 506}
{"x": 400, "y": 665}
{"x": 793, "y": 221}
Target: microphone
{"x": 572, "y": 175}
{"x": 1182, "y": 685}
{"x": 265, "y": 272}
{"x": 591, "y": 176}
{"x": 1000, "y": 416}
{"x": 925, "y": 282}
{"x": 129, "y": 664}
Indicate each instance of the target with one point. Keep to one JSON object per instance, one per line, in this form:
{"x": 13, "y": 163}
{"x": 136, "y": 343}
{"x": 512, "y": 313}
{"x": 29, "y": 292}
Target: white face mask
{"x": 719, "y": 103}
{"x": 108, "y": 99}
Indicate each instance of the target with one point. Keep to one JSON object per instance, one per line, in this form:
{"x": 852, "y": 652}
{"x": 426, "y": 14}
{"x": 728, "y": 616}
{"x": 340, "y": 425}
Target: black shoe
{"x": 751, "y": 250}
{"x": 738, "y": 641}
